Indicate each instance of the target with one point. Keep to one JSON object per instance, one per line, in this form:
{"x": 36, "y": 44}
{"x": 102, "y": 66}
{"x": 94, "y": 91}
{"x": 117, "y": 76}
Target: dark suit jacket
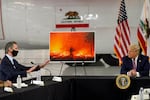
{"x": 8, "y": 72}
{"x": 142, "y": 65}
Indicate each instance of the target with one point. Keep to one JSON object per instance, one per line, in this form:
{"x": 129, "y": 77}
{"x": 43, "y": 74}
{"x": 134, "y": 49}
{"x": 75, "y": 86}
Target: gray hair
{"x": 9, "y": 45}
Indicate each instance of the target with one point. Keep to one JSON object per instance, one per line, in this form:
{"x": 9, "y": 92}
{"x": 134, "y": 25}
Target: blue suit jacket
{"x": 142, "y": 65}
{"x": 8, "y": 72}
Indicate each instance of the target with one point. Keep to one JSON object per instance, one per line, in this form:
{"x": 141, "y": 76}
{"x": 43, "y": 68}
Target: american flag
{"x": 143, "y": 31}
{"x": 122, "y": 36}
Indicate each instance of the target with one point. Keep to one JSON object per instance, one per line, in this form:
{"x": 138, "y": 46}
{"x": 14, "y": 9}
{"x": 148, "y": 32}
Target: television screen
{"x": 72, "y": 46}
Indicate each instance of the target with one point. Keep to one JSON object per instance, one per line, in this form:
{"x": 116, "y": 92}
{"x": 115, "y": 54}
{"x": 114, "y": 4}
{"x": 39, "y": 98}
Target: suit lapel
{"x": 10, "y": 62}
{"x": 139, "y": 61}
{"x": 130, "y": 63}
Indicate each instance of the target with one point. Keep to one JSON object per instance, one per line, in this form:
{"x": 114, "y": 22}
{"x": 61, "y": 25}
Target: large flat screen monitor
{"x": 72, "y": 46}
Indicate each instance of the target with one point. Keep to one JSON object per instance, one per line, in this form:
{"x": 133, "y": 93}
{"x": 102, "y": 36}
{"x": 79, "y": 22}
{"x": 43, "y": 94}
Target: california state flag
{"x": 143, "y": 31}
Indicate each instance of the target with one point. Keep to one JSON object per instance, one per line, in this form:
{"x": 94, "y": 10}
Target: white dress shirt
{"x": 11, "y": 59}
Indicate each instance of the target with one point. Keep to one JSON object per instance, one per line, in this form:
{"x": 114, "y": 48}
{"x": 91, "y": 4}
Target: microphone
{"x": 58, "y": 78}
{"x": 38, "y": 80}
{"x": 46, "y": 69}
{"x": 31, "y": 78}
{"x": 38, "y": 74}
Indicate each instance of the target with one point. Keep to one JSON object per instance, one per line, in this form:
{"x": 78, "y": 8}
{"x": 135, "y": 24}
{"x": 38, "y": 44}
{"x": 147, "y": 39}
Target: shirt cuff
{"x": 137, "y": 74}
{"x": 37, "y": 68}
{"x": 128, "y": 73}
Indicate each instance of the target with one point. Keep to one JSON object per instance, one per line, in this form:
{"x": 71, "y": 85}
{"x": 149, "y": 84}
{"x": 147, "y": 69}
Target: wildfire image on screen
{"x": 72, "y": 46}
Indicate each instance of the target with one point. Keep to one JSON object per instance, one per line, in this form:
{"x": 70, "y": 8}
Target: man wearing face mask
{"x": 10, "y": 68}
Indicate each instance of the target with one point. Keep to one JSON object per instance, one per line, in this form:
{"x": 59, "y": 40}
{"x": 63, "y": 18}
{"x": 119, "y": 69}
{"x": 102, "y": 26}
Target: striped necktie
{"x": 134, "y": 64}
{"x": 13, "y": 64}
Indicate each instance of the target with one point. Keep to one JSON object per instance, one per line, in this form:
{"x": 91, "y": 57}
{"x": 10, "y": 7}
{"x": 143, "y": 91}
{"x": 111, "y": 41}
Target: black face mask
{"x": 14, "y": 53}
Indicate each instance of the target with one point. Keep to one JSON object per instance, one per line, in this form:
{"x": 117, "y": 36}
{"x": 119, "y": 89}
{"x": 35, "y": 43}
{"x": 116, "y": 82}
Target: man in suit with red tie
{"x": 10, "y": 68}
{"x": 135, "y": 64}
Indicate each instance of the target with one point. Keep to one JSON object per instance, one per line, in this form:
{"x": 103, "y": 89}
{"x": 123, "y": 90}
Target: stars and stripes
{"x": 122, "y": 36}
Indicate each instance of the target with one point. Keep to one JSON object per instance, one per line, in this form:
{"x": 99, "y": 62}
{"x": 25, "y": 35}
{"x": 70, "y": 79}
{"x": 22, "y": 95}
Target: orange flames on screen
{"x": 72, "y": 46}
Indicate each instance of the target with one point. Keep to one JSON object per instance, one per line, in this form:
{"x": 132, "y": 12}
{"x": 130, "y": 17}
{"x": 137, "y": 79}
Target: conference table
{"x": 77, "y": 88}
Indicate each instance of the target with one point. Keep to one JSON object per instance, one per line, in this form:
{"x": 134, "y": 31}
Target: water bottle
{"x": 141, "y": 94}
{"x": 38, "y": 78}
{"x": 19, "y": 81}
